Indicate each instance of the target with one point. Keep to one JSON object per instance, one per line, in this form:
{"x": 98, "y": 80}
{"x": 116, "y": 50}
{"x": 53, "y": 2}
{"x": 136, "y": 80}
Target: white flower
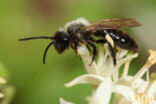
{"x": 2, "y": 81}
{"x": 105, "y": 80}
{"x": 145, "y": 90}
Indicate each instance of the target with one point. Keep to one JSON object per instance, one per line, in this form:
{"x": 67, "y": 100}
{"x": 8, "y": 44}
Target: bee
{"x": 82, "y": 31}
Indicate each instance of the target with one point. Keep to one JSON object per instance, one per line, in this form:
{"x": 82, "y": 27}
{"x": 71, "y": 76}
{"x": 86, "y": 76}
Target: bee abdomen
{"x": 120, "y": 38}
{"x": 124, "y": 41}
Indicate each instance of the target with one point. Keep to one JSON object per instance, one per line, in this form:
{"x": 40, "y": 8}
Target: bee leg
{"x": 88, "y": 48}
{"x": 94, "y": 51}
{"x": 101, "y": 41}
{"x": 91, "y": 39}
{"x": 75, "y": 47}
{"x": 113, "y": 53}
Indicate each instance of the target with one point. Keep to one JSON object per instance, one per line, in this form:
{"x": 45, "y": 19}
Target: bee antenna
{"x": 38, "y": 37}
{"x": 45, "y": 52}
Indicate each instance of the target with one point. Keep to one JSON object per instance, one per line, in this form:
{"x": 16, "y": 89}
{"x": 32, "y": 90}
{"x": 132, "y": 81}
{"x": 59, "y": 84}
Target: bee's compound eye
{"x": 61, "y": 36}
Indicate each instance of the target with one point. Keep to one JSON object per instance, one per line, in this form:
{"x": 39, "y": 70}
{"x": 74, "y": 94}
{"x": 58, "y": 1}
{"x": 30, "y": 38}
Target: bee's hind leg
{"x": 112, "y": 50}
{"x": 102, "y": 41}
{"x": 113, "y": 53}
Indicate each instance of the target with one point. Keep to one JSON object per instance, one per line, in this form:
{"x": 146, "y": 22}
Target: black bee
{"x": 81, "y": 31}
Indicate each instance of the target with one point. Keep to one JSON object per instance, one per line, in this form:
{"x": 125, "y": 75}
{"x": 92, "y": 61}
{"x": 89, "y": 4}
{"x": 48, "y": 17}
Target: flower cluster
{"x": 2, "y": 82}
{"x": 105, "y": 79}
{"x": 6, "y": 91}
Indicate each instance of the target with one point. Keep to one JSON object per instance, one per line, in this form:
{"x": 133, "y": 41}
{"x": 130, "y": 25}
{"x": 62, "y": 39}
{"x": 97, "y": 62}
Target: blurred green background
{"x": 36, "y": 83}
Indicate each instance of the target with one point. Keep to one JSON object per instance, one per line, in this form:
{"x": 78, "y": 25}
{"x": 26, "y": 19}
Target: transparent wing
{"x": 115, "y": 23}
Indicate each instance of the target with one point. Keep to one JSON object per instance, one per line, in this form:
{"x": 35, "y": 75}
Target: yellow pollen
{"x": 152, "y": 57}
{"x": 144, "y": 99}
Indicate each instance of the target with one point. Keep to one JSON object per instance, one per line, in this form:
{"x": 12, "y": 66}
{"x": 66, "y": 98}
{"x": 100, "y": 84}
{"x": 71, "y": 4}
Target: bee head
{"x": 61, "y": 41}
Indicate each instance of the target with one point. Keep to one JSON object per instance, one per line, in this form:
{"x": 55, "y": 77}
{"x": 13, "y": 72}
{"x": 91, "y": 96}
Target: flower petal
{"x": 152, "y": 57}
{"x": 124, "y": 60}
{"x": 62, "y": 101}
{"x": 102, "y": 94}
{"x": 88, "y": 78}
{"x": 151, "y": 60}
{"x": 2, "y": 80}
{"x": 87, "y": 58}
{"x": 121, "y": 53}
{"x": 140, "y": 85}
{"x": 123, "y": 90}
{"x": 1, "y": 95}
{"x": 152, "y": 89}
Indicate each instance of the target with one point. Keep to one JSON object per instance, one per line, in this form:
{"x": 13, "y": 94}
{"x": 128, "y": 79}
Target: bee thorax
{"x": 73, "y": 26}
